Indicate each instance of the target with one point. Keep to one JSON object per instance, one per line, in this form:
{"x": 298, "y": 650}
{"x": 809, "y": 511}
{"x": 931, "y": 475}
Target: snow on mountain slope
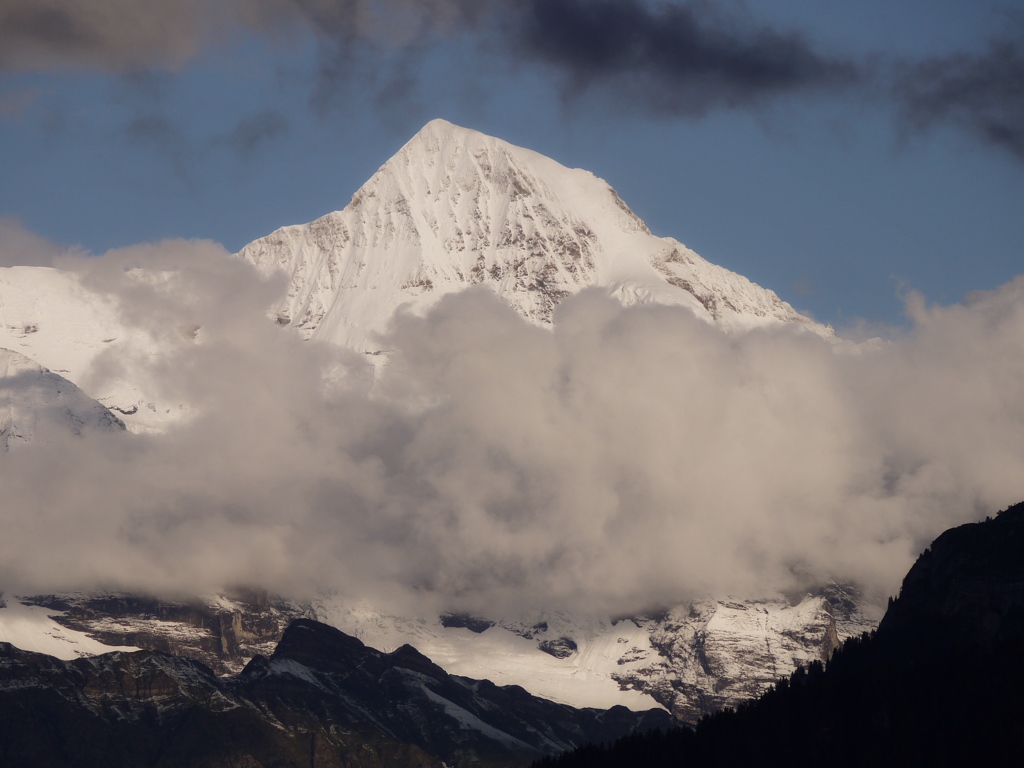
{"x": 34, "y": 400}
{"x": 511, "y": 654}
{"x": 454, "y": 208}
{"x": 32, "y": 628}
{"x": 695, "y": 659}
{"x": 49, "y": 316}
{"x": 712, "y": 654}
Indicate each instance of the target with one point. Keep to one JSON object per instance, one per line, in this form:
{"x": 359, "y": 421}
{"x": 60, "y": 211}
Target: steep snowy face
{"x": 454, "y": 208}
{"x": 34, "y": 399}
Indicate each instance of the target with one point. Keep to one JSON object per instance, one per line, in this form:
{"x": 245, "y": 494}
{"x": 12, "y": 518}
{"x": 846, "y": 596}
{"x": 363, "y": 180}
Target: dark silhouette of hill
{"x": 941, "y": 682}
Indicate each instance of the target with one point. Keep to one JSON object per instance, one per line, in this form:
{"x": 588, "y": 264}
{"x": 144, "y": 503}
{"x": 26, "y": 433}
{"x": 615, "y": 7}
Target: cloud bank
{"x": 632, "y": 458}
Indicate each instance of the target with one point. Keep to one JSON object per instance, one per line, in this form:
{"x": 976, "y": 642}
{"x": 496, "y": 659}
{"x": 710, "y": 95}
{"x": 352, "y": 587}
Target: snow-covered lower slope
{"x": 454, "y": 208}
{"x": 34, "y": 401}
{"x": 48, "y": 315}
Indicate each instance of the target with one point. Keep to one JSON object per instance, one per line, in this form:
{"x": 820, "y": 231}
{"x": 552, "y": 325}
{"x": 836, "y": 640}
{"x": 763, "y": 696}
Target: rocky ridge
{"x": 694, "y": 659}
{"x": 321, "y": 699}
{"x": 224, "y": 632}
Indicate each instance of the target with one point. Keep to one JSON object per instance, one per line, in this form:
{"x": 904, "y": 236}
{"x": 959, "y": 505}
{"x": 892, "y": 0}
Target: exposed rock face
{"x": 466, "y": 621}
{"x": 560, "y": 647}
{"x": 322, "y": 699}
{"x": 713, "y": 654}
{"x": 222, "y": 632}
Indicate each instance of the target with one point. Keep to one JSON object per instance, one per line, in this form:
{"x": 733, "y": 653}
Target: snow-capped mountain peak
{"x": 454, "y": 208}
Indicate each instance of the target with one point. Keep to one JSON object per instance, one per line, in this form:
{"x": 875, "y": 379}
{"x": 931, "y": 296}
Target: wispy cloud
{"x": 14, "y": 103}
{"x": 979, "y": 92}
{"x": 254, "y": 131}
{"x": 162, "y": 133}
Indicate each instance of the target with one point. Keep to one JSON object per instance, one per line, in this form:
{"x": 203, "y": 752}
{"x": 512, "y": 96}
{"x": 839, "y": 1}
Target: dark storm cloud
{"x": 982, "y": 93}
{"x": 676, "y": 58}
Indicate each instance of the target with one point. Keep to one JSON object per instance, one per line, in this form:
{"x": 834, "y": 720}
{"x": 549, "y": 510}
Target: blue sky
{"x": 839, "y": 153}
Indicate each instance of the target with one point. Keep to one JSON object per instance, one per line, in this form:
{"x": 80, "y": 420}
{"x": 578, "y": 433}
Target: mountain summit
{"x": 454, "y": 208}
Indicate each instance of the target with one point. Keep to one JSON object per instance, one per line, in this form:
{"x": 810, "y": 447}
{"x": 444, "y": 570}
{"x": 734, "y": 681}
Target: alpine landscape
{"x": 480, "y": 469}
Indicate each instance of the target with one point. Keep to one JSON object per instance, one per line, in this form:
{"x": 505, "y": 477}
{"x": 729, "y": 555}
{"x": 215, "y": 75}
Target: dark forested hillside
{"x": 940, "y": 683}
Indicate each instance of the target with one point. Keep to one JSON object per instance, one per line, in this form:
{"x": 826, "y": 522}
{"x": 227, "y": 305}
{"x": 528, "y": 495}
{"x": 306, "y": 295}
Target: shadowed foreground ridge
{"x": 322, "y": 699}
{"x": 941, "y": 682}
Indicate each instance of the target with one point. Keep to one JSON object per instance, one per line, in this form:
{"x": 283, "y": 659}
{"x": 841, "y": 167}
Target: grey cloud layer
{"x": 631, "y": 458}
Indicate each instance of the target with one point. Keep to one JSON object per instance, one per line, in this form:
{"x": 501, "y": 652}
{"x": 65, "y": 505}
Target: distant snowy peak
{"x": 54, "y": 319}
{"x": 454, "y": 208}
{"x": 33, "y": 400}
